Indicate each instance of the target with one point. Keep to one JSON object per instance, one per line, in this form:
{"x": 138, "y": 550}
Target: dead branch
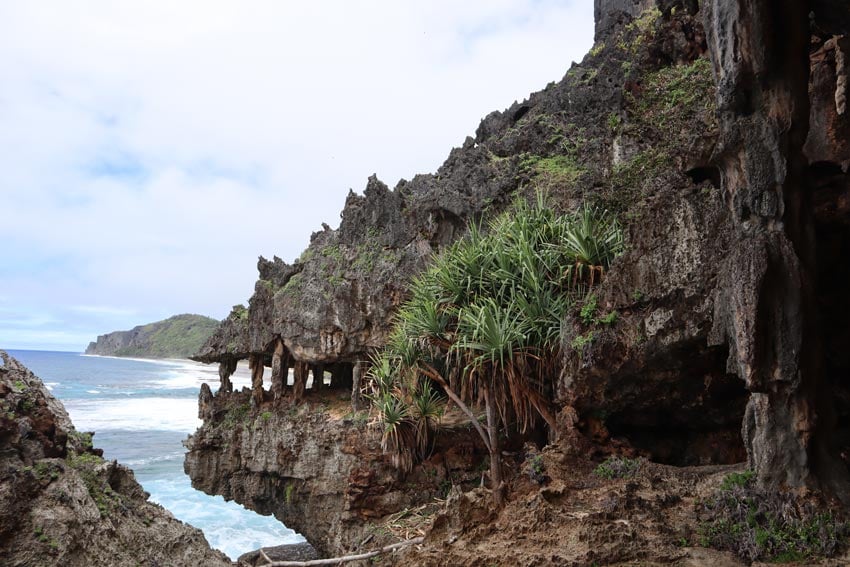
{"x": 344, "y": 559}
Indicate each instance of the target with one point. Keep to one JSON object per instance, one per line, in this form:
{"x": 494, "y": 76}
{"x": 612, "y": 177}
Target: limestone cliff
{"x": 176, "y": 337}
{"x": 719, "y": 134}
{"x": 62, "y": 504}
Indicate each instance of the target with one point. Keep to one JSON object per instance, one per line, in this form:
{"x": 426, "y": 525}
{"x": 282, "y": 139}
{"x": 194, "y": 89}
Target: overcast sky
{"x": 151, "y": 150}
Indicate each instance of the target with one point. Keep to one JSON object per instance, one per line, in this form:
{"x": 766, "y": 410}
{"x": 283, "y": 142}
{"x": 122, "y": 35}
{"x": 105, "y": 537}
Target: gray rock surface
{"x": 720, "y": 138}
{"x": 62, "y": 504}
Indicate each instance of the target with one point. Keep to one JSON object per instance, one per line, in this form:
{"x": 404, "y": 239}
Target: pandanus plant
{"x": 484, "y": 322}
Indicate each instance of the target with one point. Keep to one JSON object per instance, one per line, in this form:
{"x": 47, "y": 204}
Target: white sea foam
{"x": 227, "y": 525}
{"x": 148, "y": 360}
{"x": 155, "y": 459}
{"x": 135, "y": 414}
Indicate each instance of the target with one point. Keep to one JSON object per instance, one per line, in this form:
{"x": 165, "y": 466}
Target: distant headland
{"x": 179, "y": 336}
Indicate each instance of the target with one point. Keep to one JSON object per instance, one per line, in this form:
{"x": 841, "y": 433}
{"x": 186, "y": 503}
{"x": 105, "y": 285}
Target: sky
{"x": 151, "y": 151}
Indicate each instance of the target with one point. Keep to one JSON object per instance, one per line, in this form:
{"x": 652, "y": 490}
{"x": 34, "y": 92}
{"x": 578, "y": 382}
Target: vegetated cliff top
{"x": 176, "y": 337}
{"x": 61, "y": 503}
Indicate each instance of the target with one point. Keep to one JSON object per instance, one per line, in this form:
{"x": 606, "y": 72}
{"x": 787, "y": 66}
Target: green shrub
{"x": 486, "y": 320}
{"x": 759, "y": 525}
{"x": 617, "y": 467}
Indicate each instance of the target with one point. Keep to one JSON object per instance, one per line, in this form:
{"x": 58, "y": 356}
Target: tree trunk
{"x": 495, "y": 447}
{"x": 356, "y": 403}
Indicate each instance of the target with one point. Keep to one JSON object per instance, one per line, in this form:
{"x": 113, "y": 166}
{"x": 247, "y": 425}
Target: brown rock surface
{"x": 719, "y": 134}
{"x": 62, "y": 504}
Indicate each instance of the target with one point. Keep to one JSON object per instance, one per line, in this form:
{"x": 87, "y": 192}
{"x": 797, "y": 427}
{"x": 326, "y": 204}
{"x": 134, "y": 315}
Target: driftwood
{"x": 338, "y": 560}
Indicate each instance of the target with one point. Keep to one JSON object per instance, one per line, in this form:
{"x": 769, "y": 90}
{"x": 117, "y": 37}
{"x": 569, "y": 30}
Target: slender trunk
{"x": 434, "y": 375}
{"x": 495, "y": 448}
{"x": 357, "y": 372}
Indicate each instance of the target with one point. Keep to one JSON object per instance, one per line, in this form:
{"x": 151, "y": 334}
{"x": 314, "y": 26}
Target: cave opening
{"x": 687, "y": 414}
{"x": 831, "y": 201}
{"x": 705, "y": 173}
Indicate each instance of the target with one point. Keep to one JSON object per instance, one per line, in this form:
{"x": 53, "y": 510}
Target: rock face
{"x": 62, "y": 504}
{"x": 720, "y": 135}
{"x": 315, "y": 466}
{"x": 176, "y": 337}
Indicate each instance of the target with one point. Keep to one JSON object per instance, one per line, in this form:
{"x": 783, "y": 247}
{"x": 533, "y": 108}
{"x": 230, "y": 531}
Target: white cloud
{"x": 151, "y": 150}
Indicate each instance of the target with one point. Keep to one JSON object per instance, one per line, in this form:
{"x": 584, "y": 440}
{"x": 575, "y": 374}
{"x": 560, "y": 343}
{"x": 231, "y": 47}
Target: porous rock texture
{"x": 718, "y": 131}
{"x": 62, "y": 504}
{"x": 316, "y": 465}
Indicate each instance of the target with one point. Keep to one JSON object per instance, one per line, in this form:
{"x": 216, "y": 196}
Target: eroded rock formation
{"x": 719, "y": 133}
{"x": 62, "y": 504}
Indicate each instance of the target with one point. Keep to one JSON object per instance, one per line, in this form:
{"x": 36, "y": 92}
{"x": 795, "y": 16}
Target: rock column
{"x": 226, "y": 368}
{"x": 767, "y": 310}
{"x": 280, "y": 369}
{"x": 318, "y": 377}
{"x": 255, "y": 362}
{"x": 300, "y": 383}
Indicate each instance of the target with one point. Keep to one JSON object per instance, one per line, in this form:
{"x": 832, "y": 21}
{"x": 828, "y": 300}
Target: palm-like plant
{"x": 485, "y": 322}
{"x": 594, "y": 238}
{"x": 398, "y": 439}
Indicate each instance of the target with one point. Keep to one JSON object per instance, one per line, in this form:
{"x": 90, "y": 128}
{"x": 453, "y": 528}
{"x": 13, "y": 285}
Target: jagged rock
{"x": 316, "y": 466}
{"x": 719, "y": 140}
{"x": 62, "y": 504}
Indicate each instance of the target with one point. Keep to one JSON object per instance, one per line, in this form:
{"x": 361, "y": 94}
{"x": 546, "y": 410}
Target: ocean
{"x": 141, "y": 410}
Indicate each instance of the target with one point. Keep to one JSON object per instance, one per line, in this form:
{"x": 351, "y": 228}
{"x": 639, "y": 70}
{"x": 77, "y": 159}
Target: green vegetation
{"x": 581, "y": 341}
{"x": 554, "y": 170}
{"x": 588, "y": 310}
{"x": 293, "y": 285}
{"x": 176, "y": 337}
{"x": 484, "y": 322}
{"x": 239, "y": 313}
{"x": 609, "y": 318}
{"x": 597, "y": 49}
{"x": 88, "y": 465}
{"x": 45, "y": 470}
{"x": 739, "y": 480}
{"x": 236, "y": 414}
{"x": 759, "y": 525}
{"x": 617, "y": 467}
{"x": 84, "y": 440}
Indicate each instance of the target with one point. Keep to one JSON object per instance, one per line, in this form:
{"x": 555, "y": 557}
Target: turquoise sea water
{"x": 141, "y": 411}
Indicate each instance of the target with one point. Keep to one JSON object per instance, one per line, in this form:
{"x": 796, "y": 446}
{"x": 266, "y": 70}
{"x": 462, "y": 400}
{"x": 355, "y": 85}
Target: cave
{"x": 684, "y": 413}
{"x": 705, "y": 173}
{"x": 342, "y": 375}
{"x": 521, "y": 111}
{"x": 831, "y": 200}
{"x": 447, "y": 226}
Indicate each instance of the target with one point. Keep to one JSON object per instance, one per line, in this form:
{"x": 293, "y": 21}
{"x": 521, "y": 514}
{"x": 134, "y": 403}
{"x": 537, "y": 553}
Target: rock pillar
{"x": 300, "y": 383}
{"x": 760, "y": 53}
{"x": 280, "y": 369}
{"x": 318, "y": 377}
{"x": 226, "y": 368}
{"x": 255, "y": 362}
